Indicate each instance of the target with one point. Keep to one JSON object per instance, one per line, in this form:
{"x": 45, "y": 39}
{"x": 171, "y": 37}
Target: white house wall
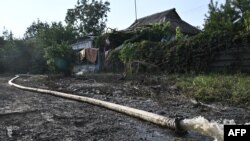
{"x": 82, "y": 45}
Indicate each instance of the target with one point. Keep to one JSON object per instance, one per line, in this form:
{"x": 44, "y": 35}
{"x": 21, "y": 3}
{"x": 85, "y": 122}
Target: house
{"x": 83, "y": 44}
{"x": 166, "y": 16}
{"x": 87, "y": 56}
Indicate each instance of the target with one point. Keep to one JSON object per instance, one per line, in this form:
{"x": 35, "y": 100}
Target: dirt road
{"x": 28, "y": 116}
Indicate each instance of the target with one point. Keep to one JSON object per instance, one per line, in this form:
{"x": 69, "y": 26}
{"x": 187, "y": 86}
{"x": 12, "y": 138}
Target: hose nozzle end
{"x": 178, "y": 128}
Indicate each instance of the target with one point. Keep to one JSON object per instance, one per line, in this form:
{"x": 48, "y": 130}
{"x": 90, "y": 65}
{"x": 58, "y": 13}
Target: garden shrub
{"x": 192, "y": 54}
{"x": 60, "y": 58}
{"x": 113, "y": 62}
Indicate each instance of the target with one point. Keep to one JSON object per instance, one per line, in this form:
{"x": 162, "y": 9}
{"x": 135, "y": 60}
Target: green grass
{"x": 227, "y": 89}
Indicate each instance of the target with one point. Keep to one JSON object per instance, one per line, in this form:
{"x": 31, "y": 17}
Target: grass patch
{"x": 227, "y": 89}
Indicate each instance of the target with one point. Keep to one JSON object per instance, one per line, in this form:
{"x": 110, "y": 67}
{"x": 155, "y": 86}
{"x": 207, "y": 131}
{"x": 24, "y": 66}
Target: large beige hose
{"x": 147, "y": 116}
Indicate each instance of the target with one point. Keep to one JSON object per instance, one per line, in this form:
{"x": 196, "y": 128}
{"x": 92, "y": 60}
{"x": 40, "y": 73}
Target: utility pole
{"x": 135, "y": 11}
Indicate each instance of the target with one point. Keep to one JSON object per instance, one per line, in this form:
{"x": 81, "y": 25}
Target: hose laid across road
{"x": 147, "y": 116}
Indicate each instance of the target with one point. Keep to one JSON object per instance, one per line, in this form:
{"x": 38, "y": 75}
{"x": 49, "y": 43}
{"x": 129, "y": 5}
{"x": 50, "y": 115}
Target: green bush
{"x": 113, "y": 62}
{"x": 60, "y": 58}
{"x": 193, "y": 54}
{"x": 20, "y": 56}
{"x": 155, "y": 33}
{"x": 145, "y": 53}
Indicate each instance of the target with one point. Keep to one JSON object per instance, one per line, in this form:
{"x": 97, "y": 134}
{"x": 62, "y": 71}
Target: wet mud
{"x": 28, "y": 116}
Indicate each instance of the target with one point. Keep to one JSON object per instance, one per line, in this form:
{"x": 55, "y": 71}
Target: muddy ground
{"x": 28, "y": 116}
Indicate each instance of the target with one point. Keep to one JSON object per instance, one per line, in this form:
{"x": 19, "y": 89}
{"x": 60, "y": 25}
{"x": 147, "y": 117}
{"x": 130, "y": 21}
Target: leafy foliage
{"x": 113, "y": 63}
{"x": 60, "y": 58}
{"x": 179, "y": 35}
{"x": 48, "y": 34}
{"x": 243, "y": 8}
{"x": 88, "y": 17}
{"x": 145, "y": 52}
{"x": 156, "y": 33}
{"x": 221, "y": 18}
{"x": 34, "y": 30}
{"x": 193, "y": 54}
{"x": 231, "y": 16}
{"x": 53, "y": 39}
{"x": 18, "y": 56}
{"x": 32, "y": 54}
{"x": 46, "y": 46}
{"x": 247, "y": 21}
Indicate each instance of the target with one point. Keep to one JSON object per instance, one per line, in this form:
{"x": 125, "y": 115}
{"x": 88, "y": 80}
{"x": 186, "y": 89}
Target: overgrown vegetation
{"x": 227, "y": 89}
{"x": 225, "y": 27}
{"x": 89, "y": 17}
{"x": 113, "y": 63}
{"x": 231, "y": 16}
{"x": 60, "y": 58}
{"x": 46, "y": 47}
{"x": 152, "y": 35}
{"x": 19, "y": 56}
{"x": 53, "y": 39}
{"x": 193, "y": 54}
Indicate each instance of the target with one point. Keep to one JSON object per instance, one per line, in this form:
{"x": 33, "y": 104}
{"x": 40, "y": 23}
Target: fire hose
{"x": 177, "y": 124}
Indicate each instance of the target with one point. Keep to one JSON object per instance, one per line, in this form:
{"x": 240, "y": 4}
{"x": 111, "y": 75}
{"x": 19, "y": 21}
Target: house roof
{"x": 166, "y": 16}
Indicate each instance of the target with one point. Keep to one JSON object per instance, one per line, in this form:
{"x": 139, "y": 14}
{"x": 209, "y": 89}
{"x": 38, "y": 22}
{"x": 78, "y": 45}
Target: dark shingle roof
{"x": 166, "y": 16}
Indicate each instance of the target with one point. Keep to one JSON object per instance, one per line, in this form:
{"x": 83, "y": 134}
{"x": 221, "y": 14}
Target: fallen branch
{"x": 198, "y": 103}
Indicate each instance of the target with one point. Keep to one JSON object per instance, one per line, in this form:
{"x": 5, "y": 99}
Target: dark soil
{"x": 29, "y": 116}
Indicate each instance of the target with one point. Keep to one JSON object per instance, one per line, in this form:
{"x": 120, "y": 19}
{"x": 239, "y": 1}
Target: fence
{"x": 236, "y": 59}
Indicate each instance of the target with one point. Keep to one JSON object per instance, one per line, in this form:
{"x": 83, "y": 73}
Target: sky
{"x": 17, "y": 15}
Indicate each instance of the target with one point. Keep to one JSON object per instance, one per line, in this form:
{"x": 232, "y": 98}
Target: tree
{"x": 213, "y": 16}
{"x": 34, "y": 30}
{"x": 2, "y": 42}
{"x": 247, "y": 21}
{"x": 88, "y": 16}
{"x": 50, "y": 42}
{"x": 50, "y": 33}
{"x": 60, "y": 58}
{"x": 232, "y": 16}
{"x": 220, "y": 18}
{"x": 243, "y": 8}
{"x": 56, "y": 33}
{"x": 15, "y": 56}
